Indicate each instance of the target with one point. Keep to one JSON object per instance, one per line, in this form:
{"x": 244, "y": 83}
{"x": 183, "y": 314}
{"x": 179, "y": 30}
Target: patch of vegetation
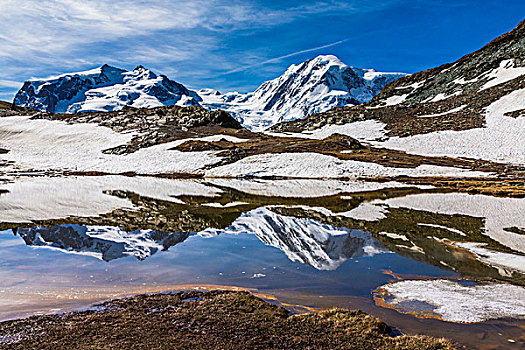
{"x": 206, "y": 320}
{"x": 513, "y": 186}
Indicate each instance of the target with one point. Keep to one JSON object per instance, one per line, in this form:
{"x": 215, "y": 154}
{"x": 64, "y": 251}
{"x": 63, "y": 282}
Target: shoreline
{"x": 298, "y": 303}
{"x": 207, "y": 319}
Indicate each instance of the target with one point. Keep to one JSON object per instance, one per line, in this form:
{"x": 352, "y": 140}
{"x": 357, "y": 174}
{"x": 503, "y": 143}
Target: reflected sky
{"x": 66, "y": 243}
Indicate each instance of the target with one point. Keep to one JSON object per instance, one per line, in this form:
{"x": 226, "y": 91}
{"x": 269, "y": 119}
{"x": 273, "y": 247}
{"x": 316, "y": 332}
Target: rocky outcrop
{"x": 152, "y": 126}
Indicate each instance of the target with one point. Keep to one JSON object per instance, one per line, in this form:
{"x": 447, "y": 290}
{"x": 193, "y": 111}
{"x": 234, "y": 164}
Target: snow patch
{"x": 56, "y": 145}
{"x": 394, "y": 236}
{"x": 443, "y": 113}
{"x": 444, "y": 227}
{"x": 497, "y": 259}
{"x": 44, "y": 198}
{"x": 366, "y": 211}
{"x": 501, "y": 140}
{"x": 505, "y": 72}
{"x": 395, "y": 100}
{"x": 304, "y": 188}
{"x": 363, "y": 131}
{"x": 315, "y": 165}
{"x": 220, "y": 137}
{"x": 454, "y": 302}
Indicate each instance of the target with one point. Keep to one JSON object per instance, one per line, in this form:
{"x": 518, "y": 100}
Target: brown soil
{"x": 516, "y": 114}
{"x": 205, "y": 320}
{"x": 498, "y": 187}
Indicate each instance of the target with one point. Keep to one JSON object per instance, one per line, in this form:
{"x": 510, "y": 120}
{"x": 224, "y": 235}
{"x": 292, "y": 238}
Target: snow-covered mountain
{"x": 104, "y": 89}
{"x": 311, "y": 87}
{"x": 103, "y": 242}
{"x": 473, "y": 108}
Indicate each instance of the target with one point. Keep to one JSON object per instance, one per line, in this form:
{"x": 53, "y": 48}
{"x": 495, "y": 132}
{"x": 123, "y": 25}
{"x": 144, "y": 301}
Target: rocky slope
{"x": 311, "y": 87}
{"x": 103, "y": 89}
{"x": 470, "y": 108}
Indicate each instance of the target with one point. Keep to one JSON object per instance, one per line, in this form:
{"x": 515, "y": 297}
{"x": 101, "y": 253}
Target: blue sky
{"x": 238, "y": 44}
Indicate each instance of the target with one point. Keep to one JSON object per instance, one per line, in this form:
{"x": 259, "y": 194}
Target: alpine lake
{"x": 424, "y": 260}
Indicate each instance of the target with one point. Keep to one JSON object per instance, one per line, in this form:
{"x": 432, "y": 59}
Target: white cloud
{"x": 10, "y": 83}
{"x": 56, "y": 36}
{"x": 56, "y": 26}
{"x": 277, "y": 59}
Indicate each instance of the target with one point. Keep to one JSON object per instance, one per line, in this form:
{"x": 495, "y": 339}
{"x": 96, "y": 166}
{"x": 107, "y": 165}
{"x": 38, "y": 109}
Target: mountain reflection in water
{"x": 331, "y": 238}
{"x": 322, "y": 246}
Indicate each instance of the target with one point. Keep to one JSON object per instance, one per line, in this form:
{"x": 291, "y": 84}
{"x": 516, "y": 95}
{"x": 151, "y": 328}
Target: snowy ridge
{"x": 311, "y": 87}
{"x": 103, "y": 89}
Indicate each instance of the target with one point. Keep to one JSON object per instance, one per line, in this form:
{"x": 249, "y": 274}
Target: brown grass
{"x": 207, "y": 320}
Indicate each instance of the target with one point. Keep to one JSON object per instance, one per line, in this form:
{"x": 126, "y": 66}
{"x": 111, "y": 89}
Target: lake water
{"x": 391, "y": 250}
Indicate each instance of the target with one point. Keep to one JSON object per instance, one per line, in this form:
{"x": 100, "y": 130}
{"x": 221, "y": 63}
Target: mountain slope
{"x": 313, "y": 86}
{"x": 103, "y": 89}
{"x": 473, "y": 107}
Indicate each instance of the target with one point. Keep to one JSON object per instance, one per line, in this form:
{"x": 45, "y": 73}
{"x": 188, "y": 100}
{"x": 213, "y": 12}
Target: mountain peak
{"x": 313, "y": 86}
{"x": 327, "y": 60}
{"x": 105, "y": 88}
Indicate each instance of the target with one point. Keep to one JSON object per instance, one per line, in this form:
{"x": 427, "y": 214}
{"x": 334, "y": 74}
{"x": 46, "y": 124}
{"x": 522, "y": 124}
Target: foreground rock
{"x": 209, "y": 320}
